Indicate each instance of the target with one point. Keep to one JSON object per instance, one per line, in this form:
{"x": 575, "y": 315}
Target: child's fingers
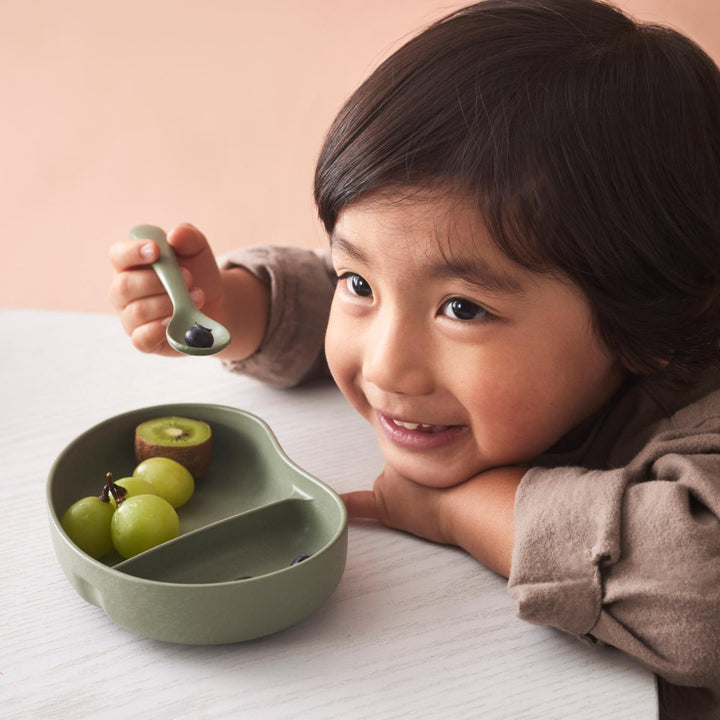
{"x": 150, "y": 338}
{"x": 187, "y": 241}
{"x": 131, "y": 285}
{"x": 148, "y": 310}
{"x": 361, "y": 504}
{"x": 155, "y": 308}
{"x": 194, "y": 252}
{"x": 127, "y": 254}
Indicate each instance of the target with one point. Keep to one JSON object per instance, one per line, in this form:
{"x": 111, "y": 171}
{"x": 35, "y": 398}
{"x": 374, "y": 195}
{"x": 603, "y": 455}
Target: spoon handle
{"x": 166, "y": 266}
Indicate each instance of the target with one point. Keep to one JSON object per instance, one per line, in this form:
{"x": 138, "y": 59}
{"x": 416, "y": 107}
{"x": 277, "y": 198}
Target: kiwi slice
{"x": 186, "y": 441}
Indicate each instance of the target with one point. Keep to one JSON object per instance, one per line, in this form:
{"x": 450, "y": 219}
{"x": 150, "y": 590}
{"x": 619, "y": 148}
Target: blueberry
{"x": 199, "y": 336}
{"x": 300, "y": 558}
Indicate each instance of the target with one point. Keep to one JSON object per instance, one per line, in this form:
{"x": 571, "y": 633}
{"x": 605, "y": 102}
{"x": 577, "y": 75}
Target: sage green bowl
{"x": 252, "y": 514}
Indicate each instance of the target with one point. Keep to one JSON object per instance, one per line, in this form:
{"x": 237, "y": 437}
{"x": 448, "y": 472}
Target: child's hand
{"x": 401, "y": 503}
{"x": 144, "y": 307}
{"x": 138, "y": 296}
{"x": 476, "y": 515}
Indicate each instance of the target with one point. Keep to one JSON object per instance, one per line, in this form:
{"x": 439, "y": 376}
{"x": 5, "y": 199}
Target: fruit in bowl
{"x": 133, "y": 514}
{"x": 252, "y": 513}
{"x": 143, "y": 522}
{"x": 133, "y": 486}
{"x": 167, "y": 478}
{"x": 182, "y": 439}
{"x": 87, "y": 523}
{"x": 97, "y": 524}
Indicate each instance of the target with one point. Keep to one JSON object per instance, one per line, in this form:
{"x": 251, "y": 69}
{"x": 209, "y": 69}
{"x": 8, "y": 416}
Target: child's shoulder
{"x": 686, "y": 421}
{"x": 650, "y": 419}
{"x": 687, "y": 405}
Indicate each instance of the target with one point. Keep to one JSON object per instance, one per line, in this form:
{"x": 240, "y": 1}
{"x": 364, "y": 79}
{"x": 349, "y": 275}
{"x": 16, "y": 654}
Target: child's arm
{"x": 629, "y": 557}
{"x": 234, "y": 297}
{"x": 301, "y": 284}
{"x": 476, "y": 515}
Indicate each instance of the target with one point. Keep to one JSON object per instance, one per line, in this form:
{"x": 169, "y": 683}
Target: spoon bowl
{"x": 185, "y": 314}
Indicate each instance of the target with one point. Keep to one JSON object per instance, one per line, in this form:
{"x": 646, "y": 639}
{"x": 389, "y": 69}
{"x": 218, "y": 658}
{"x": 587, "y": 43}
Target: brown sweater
{"x": 617, "y": 538}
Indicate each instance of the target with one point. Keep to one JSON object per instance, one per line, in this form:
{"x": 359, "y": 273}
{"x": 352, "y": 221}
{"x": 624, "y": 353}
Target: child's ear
{"x": 634, "y": 366}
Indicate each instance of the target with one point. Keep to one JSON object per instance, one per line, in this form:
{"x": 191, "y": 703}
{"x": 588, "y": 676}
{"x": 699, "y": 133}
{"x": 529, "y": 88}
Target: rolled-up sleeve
{"x": 301, "y": 285}
{"x": 631, "y": 556}
{"x": 567, "y": 529}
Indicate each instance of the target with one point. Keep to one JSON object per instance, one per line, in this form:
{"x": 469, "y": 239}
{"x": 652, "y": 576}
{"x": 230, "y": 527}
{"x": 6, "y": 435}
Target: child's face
{"x": 459, "y": 358}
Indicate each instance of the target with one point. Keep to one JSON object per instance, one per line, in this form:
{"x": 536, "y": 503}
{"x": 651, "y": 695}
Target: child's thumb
{"x": 186, "y": 240}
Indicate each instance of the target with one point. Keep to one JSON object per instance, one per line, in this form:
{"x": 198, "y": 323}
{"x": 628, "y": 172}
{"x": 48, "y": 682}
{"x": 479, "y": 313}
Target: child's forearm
{"x": 247, "y": 303}
{"x": 478, "y": 516}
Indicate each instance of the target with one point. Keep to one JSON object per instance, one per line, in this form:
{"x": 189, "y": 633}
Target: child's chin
{"x": 429, "y": 477}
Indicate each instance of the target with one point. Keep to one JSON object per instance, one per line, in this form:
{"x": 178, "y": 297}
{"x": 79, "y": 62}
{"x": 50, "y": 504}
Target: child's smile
{"x": 461, "y": 359}
{"x": 418, "y": 435}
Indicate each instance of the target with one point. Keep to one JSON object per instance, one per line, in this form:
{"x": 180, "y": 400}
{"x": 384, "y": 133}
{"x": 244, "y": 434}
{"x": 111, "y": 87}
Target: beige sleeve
{"x": 301, "y": 285}
{"x": 629, "y": 557}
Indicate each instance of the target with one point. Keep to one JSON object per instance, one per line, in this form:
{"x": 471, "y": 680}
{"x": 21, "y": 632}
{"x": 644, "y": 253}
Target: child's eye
{"x": 461, "y": 309}
{"x": 356, "y": 284}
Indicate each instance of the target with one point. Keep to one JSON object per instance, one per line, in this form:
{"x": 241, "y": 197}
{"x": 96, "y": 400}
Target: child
{"x": 523, "y": 206}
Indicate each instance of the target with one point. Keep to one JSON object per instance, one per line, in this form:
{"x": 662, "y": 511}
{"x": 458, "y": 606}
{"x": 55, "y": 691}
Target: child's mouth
{"x": 417, "y": 435}
{"x": 420, "y": 427}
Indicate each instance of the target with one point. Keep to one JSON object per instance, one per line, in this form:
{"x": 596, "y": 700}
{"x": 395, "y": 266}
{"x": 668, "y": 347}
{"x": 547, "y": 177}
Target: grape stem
{"x": 117, "y": 491}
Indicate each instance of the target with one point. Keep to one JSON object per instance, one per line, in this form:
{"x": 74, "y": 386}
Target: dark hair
{"x": 591, "y": 143}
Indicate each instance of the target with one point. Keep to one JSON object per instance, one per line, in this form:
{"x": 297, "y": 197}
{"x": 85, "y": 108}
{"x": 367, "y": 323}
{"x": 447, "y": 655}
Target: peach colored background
{"x": 116, "y": 112}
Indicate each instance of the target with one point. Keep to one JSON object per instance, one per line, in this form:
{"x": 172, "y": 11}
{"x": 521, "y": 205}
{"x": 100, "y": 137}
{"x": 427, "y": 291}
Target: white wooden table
{"x": 414, "y": 630}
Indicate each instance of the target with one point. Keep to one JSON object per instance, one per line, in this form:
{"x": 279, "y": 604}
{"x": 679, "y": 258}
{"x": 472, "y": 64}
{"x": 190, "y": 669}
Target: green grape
{"x": 134, "y": 486}
{"x": 142, "y": 522}
{"x": 169, "y": 478}
{"x": 87, "y": 523}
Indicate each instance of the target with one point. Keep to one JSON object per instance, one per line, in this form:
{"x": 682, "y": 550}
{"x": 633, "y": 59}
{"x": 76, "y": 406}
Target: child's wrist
{"x": 246, "y": 308}
{"x": 478, "y": 516}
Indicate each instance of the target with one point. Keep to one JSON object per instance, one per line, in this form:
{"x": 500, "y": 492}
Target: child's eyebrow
{"x": 346, "y": 247}
{"x": 478, "y": 274}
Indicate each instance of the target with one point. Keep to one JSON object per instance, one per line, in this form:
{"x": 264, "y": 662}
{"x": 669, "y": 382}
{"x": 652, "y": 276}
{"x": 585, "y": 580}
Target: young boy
{"x": 521, "y": 296}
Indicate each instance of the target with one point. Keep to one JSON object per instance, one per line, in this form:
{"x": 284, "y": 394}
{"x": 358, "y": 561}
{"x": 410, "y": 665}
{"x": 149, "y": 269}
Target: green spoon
{"x": 185, "y": 314}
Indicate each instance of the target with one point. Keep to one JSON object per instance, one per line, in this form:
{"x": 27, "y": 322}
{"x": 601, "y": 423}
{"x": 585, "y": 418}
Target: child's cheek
{"x": 341, "y": 354}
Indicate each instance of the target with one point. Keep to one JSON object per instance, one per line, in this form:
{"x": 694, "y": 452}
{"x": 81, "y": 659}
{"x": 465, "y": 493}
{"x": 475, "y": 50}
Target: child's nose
{"x": 396, "y": 358}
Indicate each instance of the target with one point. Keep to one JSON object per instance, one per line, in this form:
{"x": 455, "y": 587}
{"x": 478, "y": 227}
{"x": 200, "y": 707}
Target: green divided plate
{"x": 229, "y": 576}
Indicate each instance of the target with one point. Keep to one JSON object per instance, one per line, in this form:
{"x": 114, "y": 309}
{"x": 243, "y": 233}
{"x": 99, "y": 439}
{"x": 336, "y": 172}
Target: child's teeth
{"x": 409, "y": 426}
{"x": 420, "y": 426}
